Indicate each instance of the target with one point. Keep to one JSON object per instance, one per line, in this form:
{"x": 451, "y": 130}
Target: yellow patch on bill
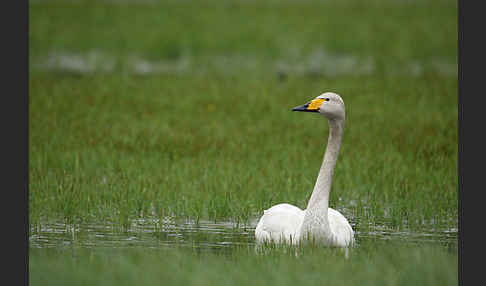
{"x": 315, "y": 104}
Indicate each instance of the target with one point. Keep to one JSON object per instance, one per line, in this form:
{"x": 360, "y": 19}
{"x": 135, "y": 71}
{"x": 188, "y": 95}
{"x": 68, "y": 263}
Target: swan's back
{"x": 342, "y": 232}
{"x": 280, "y": 223}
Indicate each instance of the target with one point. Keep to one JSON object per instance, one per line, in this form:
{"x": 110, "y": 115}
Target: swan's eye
{"x": 326, "y": 99}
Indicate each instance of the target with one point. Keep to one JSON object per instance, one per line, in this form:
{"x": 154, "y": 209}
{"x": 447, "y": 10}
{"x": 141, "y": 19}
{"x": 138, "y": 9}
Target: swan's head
{"x": 329, "y": 104}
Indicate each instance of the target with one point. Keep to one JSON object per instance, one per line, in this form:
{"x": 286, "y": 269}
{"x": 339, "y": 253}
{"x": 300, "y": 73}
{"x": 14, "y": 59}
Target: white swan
{"x": 284, "y": 223}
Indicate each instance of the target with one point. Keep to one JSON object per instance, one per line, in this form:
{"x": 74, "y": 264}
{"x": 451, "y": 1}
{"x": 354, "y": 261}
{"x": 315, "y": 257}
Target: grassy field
{"x": 182, "y": 109}
{"x": 373, "y": 264}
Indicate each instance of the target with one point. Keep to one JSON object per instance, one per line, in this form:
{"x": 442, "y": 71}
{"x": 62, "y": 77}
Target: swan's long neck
{"x": 322, "y": 187}
{"x": 317, "y": 209}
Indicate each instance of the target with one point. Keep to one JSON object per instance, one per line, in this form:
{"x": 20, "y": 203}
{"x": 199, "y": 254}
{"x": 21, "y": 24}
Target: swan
{"x": 285, "y": 223}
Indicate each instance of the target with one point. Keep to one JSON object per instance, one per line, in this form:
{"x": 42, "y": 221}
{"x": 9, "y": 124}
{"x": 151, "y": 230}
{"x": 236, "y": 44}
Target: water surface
{"x": 202, "y": 235}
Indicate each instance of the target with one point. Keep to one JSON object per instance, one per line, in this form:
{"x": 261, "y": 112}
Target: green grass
{"x": 373, "y": 264}
{"x": 211, "y": 135}
{"x": 393, "y": 32}
{"x": 215, "y": 145}
{"x": 112, "y": 147}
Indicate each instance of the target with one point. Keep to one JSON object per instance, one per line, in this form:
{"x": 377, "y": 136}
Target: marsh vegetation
{"x": 160, "y": 131}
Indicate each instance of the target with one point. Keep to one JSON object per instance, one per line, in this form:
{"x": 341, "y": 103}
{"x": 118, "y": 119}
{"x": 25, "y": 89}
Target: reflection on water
{"x": 204, "y": 235}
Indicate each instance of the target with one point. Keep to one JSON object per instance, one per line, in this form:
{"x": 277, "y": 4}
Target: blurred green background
{"x": 155, "y": 109}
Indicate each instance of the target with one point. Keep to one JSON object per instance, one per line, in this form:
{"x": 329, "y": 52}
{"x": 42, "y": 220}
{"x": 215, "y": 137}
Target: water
{"x": 202, "y": 235}
{"x": 149, "y": 233}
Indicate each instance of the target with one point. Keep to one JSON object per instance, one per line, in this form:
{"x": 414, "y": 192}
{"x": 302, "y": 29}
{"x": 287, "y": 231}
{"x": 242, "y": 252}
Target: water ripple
{"x": 203, "y": 235}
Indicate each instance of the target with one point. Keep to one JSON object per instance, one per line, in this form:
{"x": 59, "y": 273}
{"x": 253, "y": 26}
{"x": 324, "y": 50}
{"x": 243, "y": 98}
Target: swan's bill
{"x": 312, "y": 106}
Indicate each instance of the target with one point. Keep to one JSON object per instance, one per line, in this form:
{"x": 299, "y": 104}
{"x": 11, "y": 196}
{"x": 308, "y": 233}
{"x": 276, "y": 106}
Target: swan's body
{"x": 282, "y": 223}
{"x": 285, "y": 223}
